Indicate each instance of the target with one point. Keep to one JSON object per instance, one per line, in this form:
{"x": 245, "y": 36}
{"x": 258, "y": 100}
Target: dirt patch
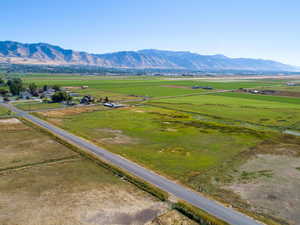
{"x": 70, "y": 111}
{"x": 270, "y": 184}
{"x": 288, "y": 93}
{"x": 73, "y": 193}
{"x": 137, "y": 110}
{"x": 72, "y": 87}
{"x": 127, "y": 218}
{"x": 171, "y": 130}
{"x": 117, "y": 137}
{"x": 10, "y": 121}
{"x": 176, "y": 86}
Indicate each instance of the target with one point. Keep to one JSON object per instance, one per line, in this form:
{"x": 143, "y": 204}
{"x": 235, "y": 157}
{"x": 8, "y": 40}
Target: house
{"x": 48, "y": 93}
{"x": 87, "y": 100}
{"x": 25, "y": 95}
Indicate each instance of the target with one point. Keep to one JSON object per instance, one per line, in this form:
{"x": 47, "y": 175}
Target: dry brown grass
{"x": 60, "y": 113}
{"x": 73, "y": 192}
{"x": 21, "y": 145}
{"x": 43, "y": 182}
{"x": 270, "y": 184}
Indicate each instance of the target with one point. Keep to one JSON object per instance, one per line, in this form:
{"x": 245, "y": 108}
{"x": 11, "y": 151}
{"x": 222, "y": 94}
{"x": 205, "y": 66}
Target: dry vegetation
{"x": 270, "y": 184}
{"x": 43, "y": 182}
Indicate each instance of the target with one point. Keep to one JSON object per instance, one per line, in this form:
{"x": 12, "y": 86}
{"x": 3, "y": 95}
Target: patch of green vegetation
{"x": 261, "y": 112}
{"x": 198, "y": 215}
{"x": 298, "y": 168}
{"x": 260, "y": 97}
{"x": 4, "y": 111}
{"x": 256, "y": 174}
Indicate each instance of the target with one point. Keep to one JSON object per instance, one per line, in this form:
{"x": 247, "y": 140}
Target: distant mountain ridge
{"x": 43, "y": 53}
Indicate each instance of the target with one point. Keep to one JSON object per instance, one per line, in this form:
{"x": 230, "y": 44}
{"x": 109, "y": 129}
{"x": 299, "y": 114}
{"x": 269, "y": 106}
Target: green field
{"x": 4, "y": 111}
{"x": 170, "y": 142}
{"x": 291, "y": 100}
{"x": 267, "y": 111}
{"x": 122, "y": 87}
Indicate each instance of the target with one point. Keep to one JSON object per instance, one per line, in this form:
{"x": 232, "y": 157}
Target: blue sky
{"x": 251, "y": 28}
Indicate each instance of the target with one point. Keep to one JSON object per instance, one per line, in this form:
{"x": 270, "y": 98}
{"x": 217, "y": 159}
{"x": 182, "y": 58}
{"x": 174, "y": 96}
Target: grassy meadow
{"x": 173, "y": 143}
{"x": 124, "y": 87}
{"x": 4, "y": 111}
{"x": 269, "y": 111}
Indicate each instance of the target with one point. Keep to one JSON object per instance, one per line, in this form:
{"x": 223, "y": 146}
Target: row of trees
{"x": 15, "y": 86}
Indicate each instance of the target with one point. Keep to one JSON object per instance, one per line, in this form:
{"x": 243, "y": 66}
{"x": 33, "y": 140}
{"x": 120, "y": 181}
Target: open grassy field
{"x": 164, "y": 137}
{"x": 204, "y": 155}
{"x": 123, "y": 87}
{"x": 44, "y": 182}
{"x": 260, "y": 97}
{"x": 4, "y": 111}
{"x": 272, "y": 111}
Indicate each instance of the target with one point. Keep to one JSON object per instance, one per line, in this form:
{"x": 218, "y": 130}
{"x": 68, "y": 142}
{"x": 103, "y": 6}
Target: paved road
{"x": 227, "y": 214}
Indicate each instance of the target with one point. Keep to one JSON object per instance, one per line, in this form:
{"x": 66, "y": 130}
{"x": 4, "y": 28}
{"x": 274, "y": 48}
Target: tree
{"x": 56, "y": 87}
{"x": 33, "y": 89}
{"x": 15, "y": 86}
{"x": 45, "y": 88}
{"x": 106, "y": 99}
{"x": 61, "y": 96}
{"x": 3, "y": 92}
{"x": 2, "y": 82}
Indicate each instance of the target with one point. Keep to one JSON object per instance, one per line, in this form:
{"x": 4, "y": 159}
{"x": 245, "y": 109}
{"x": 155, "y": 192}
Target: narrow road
{"x": 227, "y": 214}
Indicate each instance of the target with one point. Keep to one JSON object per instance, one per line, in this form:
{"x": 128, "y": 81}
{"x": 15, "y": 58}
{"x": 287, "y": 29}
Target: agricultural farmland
{"x": 141, "y": 86}
{"x": 269, "y": 111}
{"x": 209, "y": 140}
{"x": 38, "y": 172}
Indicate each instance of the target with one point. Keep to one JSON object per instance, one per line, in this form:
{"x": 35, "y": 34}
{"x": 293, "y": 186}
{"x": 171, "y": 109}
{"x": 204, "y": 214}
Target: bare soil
{"x": 271, "y": 184}
{"x": 117, "y": 137}
{"x": 287, "y": 93}
{"x": 71, "y": 193}
{"x": 60, "y": 113}
{"x": 10, "y": 121}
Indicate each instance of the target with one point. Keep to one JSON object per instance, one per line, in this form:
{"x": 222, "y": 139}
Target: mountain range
{"x": 43, "y": 53}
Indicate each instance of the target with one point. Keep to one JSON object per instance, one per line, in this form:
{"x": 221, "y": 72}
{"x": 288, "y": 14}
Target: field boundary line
{"x": 46, "y": 162}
